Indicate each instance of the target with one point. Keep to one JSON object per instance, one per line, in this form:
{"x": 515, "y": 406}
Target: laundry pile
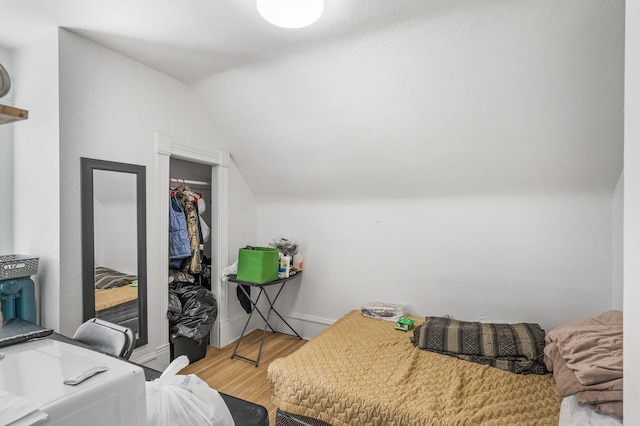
{"x": 586, "y": 359}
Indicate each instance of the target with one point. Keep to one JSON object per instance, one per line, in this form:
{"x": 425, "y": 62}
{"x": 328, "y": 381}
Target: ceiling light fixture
{"x": 5, "y": 81}
{"x": 290, "y": 13}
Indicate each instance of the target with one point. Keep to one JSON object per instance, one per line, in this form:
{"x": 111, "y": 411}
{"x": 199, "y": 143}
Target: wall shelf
{"x": 10, "y": 114}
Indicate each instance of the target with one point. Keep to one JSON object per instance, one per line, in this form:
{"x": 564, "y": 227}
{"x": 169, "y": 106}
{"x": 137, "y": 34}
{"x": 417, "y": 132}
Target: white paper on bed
{"x": 572, "y": 413}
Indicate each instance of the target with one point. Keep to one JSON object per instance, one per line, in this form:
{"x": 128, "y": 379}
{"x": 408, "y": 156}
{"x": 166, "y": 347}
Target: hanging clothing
{"x": 205, "y": 231}
{"x": 179, "y": 245}
{"x": 195, "y": 266}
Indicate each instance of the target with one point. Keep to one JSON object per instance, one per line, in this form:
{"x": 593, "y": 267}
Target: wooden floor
{"x": 240, "y": 378}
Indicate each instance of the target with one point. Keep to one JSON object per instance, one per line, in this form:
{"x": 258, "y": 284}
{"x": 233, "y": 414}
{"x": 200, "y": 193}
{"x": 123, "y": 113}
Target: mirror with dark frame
{"x": 114, "y": 244}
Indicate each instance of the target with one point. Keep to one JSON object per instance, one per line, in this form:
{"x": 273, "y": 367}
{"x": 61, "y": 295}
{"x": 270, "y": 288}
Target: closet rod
{"x": 188, "y": 182}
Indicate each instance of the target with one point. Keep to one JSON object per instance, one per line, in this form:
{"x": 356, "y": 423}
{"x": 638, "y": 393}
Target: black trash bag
{"x": 206, "y": 275}
{"x": 199, "y": 311}
{"x": 175, "y": 307}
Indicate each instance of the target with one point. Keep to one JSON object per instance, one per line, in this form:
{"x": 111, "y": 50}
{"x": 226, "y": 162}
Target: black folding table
{"x": 254, "y": 308}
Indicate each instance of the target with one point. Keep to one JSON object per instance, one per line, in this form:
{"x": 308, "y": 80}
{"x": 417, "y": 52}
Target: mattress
{"x": 361, "y": 371}
{"x": 115, "y": 296}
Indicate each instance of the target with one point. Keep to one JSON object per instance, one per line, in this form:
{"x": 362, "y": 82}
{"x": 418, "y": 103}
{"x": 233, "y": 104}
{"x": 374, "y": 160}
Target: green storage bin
{"x": 258, "y": 264}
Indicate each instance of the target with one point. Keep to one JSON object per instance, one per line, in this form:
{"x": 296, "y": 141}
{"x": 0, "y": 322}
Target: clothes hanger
{"x": 176, "y": 189}
{"x": 193, "y": 195}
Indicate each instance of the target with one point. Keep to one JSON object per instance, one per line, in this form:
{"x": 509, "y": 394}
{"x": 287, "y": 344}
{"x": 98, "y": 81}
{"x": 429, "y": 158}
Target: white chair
{"x": 107, "y": 337}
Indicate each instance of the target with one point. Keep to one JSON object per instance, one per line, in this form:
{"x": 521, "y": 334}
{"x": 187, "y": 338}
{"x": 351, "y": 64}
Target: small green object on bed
{"x": 404, "y": 324}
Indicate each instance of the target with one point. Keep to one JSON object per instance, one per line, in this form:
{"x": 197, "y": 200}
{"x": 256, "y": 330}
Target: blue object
{"x": 179, "y": 244}
{"x": 18, "y": 299}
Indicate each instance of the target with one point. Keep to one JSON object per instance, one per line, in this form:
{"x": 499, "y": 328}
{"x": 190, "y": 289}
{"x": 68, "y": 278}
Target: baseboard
{"x": 158, "y": 359}
{"x": 311, "y": 319}
{"x": 307, "y": 326}
{"x": 231, "y": 330}
{"x": 163, "y": 357}
{"x": 311, "y": 325}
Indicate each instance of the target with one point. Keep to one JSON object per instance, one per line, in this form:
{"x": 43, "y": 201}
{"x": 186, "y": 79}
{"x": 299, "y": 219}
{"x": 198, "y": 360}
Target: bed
{"x": 116, "y": 298}
{"x": 362, "y": 371}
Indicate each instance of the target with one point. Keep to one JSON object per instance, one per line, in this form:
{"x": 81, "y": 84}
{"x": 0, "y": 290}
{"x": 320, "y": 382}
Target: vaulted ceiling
{"x": 384, "y": 98}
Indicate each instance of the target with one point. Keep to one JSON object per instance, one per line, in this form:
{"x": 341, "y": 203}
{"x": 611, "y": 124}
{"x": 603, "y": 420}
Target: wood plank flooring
{"x": 240, "y": 378}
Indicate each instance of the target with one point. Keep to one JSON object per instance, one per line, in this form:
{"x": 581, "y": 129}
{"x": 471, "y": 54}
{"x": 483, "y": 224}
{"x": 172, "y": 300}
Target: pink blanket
{"x": 586, "y": 359}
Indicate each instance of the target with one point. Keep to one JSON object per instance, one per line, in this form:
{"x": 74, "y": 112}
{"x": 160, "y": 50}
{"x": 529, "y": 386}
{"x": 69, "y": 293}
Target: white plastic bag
{"x": 231, "y": 269}
{"x": 384, "y": 311}
{"x": 285, "y": 246}
{"x": 178, "y": 400}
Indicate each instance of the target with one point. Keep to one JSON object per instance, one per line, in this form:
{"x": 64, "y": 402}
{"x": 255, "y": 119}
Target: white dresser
{"x": 37, "y": 369}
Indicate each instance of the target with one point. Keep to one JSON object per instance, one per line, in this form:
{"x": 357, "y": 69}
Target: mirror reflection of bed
{"x": 115, "y": 249}
{"x": 116, "y": 297}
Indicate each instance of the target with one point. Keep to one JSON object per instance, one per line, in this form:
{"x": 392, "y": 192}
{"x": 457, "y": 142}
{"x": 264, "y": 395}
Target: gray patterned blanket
{"x": 109, "y": 278}
{"x": 517, "y": 348}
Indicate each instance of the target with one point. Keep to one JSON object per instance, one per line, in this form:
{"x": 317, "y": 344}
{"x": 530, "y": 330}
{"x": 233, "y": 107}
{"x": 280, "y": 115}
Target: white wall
{"x": 36, "y": 203}
{"x": 617, "y": 278}
{"x": 537, "y": 258}
{"x": 6, "y": 189}
{"x": 6, "y": 168}
{"x": 100, "y": 105}
{"x": 632, "y": 214}
{"x": 462, "y": 97}
{"x": 486, "y": 134}
{"x": 243, "y": 220}
{"x": 111, "y": 108}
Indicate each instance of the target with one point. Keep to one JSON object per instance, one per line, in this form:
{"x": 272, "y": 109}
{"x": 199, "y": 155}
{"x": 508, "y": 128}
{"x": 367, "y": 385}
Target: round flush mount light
{"x": 290, "y": 13}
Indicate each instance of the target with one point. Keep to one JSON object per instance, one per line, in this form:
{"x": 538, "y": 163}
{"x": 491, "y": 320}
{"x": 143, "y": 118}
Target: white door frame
{"x": 219, "y": 162}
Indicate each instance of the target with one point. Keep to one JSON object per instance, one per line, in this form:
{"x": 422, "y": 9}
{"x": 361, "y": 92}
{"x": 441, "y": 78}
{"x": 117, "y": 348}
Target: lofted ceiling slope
{"x": 383, "y": 98}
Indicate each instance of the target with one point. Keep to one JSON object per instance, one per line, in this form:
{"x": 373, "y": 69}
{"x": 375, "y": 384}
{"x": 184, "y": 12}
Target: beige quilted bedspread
{"x": 361, "y": 371}
{"x": 110, "y": 297}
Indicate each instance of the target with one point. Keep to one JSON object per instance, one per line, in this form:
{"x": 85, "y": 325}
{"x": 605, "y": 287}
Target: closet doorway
{"x": 177, "y": 160}
{"x": 189, "y": 276}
